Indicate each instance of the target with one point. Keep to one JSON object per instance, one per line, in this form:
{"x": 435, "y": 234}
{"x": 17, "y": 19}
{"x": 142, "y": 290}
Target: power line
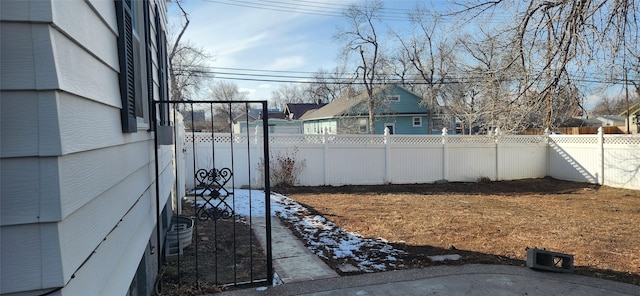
{"x": 351, "y": 80}
{"x": 306, "y": 75}
{"x": 325, "y": 9}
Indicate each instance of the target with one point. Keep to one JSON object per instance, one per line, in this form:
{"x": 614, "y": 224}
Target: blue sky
{"x": 271, "y": 39}
{"x": 282, "y": 35}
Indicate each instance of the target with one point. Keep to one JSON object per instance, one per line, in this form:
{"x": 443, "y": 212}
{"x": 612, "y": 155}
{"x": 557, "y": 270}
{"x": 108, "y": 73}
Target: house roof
{"x": 345, "y": 106}
{"x": 611, "y": 118}
{"x": 301, "y": 108}
{"x": 338, "y": 107}
{"x": 634, "y": 110}
{"x": 274, "y": 114}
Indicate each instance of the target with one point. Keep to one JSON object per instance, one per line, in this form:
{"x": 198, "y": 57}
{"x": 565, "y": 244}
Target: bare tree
{"x": 188, "y": 62}
{"x": 423, "y": 60}
{"x": 558, "y": 41}
{"x": 225, "y": 113}
{"x": 327, "y": 87}
{"x": 491, "y": 98}
{"x": 361, "y": 39}
{"x": 289, "y": 93}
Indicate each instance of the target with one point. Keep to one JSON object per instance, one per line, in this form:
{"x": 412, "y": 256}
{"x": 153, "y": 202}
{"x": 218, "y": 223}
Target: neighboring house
{"x": 633, "y": 117}
{"x": 80, "y": 196}
{"x": 398, "y": 109}
{"x": 611, "y": 120}
{"x": 278, "y": 124}
{"x": 296, "y": 110}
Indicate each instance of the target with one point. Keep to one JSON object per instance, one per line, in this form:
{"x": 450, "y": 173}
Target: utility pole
{"x": 626, "y": 93}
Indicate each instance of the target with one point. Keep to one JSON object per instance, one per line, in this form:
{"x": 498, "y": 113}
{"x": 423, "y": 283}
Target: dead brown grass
{"x": 598, "y": 225}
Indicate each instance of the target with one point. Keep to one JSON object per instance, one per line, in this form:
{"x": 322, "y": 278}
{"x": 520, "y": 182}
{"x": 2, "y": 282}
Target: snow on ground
{"x": 321, "y": 236}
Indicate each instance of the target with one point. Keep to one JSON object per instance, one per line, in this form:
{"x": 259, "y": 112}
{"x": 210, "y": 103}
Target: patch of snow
{"x": 442, "y": 258}
{"x": 322, "y": 237}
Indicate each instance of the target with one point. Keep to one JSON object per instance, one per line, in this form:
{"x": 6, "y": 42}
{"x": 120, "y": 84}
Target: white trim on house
{"x": 418, "y": 123}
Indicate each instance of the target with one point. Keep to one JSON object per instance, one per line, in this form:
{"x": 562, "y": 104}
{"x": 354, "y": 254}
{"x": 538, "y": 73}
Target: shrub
{"x": 284, "y": 168}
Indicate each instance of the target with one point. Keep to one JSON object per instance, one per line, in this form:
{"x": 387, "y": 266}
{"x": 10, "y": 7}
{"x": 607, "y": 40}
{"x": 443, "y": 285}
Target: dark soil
{"x": 223, "y": 253}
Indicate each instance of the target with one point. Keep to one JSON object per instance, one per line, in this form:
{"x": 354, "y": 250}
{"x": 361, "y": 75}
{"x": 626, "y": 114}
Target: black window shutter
{"x": 161, "y": 47}
{"x": 127, "y": 69}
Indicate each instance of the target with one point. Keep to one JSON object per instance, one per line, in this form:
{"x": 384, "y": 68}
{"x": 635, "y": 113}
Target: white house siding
{"x": 78, "y": 196}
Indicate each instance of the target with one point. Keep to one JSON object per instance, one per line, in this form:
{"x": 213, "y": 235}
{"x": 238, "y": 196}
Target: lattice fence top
{"x": 571, "y": 139}
{"x": 521, "y": 139}
{"x": 295, "y": 139}
{"x": 215, "y": 138}
{"x": 622, "y": 139}
{"x": 400, "y": 139}
{"x": 470, "y": 139}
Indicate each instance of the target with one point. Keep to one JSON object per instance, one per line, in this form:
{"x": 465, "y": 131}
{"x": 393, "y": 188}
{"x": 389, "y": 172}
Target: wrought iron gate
{"x": 220, "y": 230}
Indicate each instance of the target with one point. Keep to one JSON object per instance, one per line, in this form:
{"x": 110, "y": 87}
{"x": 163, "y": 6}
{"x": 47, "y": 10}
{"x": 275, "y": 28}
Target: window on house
{"x": 393, "y": 98}
{"x": 362, "y": 125}
{"x": 163, "y": 76}
{"x": 133, "y": 41}
{"x": 417, "y": 121}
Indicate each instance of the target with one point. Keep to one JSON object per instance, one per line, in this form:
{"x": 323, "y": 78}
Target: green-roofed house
{"x": 397, "y": 109}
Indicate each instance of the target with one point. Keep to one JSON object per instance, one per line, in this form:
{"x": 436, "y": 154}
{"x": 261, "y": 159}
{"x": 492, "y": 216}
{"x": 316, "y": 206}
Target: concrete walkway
{"x": 303, "y": 273}
{"x": 470, "y": 279}
{"x": 292, "y": 260}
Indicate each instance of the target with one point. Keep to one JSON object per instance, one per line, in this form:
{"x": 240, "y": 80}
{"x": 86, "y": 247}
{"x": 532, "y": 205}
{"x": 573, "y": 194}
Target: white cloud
{"x": 264, "y": 86}
{"x": 287, "y": 63}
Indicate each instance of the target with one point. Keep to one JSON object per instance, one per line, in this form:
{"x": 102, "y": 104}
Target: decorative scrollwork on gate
{"x": 211, "y": 189}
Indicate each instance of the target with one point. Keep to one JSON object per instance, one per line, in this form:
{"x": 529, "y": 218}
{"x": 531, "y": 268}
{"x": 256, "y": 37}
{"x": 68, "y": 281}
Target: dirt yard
{"x": 492, "y": 222}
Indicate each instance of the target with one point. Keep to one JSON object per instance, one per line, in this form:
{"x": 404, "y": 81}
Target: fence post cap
{"x": 444, "y": 131}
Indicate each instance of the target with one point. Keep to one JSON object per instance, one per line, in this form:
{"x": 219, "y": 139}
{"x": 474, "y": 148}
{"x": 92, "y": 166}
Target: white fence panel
{"x": 355, "y": 164}
{"x": 622, "y": 161}
{"x": 337, "y": 160}
{"x": 522, "y": 157}
{"x": 244, "y": 158}
{"x": 410, "y": 164}
{"x": 414, "y": 159}
{"x": 574, "y": 158}
{"x": 470, "y": 158}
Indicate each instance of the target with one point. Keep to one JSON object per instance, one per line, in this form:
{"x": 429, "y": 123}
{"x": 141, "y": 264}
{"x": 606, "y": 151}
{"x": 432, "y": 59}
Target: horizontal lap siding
{"x": 87, "y": 76}
{"x": 83, "y": 230}
{"x": 27, "y": 57}
{"x": 84, "y": 176}
{"x": 30, "y": 257}
{"x": 65, "y": 159}
{"x": 29, "y": 123}
{"x": 30, "y": 190}
{"x": 17, "y": 10}
{"x": 114, "y": 262}
{"x": 95, "y": 34}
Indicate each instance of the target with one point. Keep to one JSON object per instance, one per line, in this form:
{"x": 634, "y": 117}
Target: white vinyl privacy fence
{"x": 335, "y": 160}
